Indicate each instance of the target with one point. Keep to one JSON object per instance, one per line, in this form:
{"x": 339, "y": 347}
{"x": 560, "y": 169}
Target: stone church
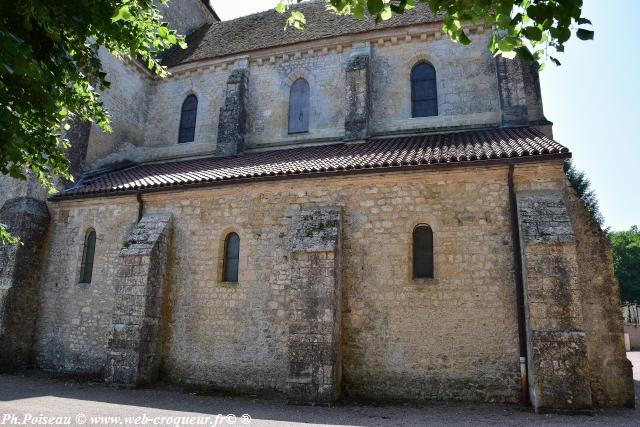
{"x": 355, "y": 209}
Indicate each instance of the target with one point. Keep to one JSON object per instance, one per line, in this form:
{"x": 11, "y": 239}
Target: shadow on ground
{"x": 22, "y": 394}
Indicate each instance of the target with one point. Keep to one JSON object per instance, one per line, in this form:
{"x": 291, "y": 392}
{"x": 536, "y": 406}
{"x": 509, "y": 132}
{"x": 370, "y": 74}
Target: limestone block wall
{"x": 20, "y": 268}
{"x": 268, "y": 97}
{"x": 125, "y": 102}
{"x": 75, "y": 319}
{"x": 466, "y": 84}
{"x": 13, "y": 188}
{"x": 146, "y": 112}
{"x": 610, "y": 373}
{"x": 185, "y": 16}
{"x": 452, "y": 337}
{"x": 165, "y": 103}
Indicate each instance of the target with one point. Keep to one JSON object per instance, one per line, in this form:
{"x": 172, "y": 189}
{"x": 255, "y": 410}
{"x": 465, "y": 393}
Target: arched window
{"x": 424, "y": 93}
{"x": 88, "y": 252}
{"x": 188, "y": 119}
{"x": 422, "y": 252}
{"x": 299, "y": 107}
{"x": 231, "y": 258}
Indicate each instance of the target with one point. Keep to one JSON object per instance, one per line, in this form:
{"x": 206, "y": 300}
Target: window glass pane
{"x": 424, "y": 92}
{"x": 422, "y": 252}
{"x": 425, "y": 108}
{"x": 299, "y": 107}
{"x": 188, "y": 116}
{"x": 89, "y": 250}
{"x": 424, "y": 71}
{"x": 231, "y": 258}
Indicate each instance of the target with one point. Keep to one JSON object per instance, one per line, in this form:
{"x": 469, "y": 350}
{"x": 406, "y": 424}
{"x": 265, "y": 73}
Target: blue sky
{"x": 593, "y": 100}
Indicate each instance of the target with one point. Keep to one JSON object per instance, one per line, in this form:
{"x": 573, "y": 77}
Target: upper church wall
{"x": 147, "y": 112}
{"x": 125, "y": 102}
{"x": 467, "y": 90}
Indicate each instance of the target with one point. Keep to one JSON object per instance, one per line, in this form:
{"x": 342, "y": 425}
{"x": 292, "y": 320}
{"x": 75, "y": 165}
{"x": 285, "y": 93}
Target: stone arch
{"x": 406, "y": 76}
{"x": 78, "y": 249}
{"x": 220, "y": 254}
{"x": 299, "y": 74}
{"x": 181, "y": 119}
{"x": 408, "y": 238}
{"x": 417, "y": 58}
{"x": 287, "y": 84}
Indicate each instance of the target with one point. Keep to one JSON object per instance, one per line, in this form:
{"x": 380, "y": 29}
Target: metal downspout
{"x": 517, "y": 260}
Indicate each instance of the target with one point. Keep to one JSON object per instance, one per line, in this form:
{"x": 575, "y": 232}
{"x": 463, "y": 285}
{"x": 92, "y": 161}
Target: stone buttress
{"x": 556, "y": 340}
{"x": 358, "y": 94}
{"x": 313, "y": 297}
{"x": 233, "y": 115}
{"x": 134, "y": 348}
{"x": 27, "y": 219}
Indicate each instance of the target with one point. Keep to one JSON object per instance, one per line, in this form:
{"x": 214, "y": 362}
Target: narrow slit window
{"x": 188, "y": 119}
{"x": 88, "y": 253}
{"x": 422, "y": 252}
{"x": 424, "y": 91}
{"x": 299, "y": 107}
{"x": 231, "y": 258}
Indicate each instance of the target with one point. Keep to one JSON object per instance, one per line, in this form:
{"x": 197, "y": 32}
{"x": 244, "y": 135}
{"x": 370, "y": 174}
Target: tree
{"x": 530, "y": 29}
{"x": 626, "y": 262}
{"x": 50, "y": 73}
{"x": 582, "y": 186}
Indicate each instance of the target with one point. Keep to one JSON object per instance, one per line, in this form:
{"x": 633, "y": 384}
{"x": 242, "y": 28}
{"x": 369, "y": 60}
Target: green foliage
{"x": 582, "y": 186}
{"x": 7, "y": 237}
{"x": 530, "y": 29}
{"x": 626, "y": 261}
{"x": 50, "y": 73}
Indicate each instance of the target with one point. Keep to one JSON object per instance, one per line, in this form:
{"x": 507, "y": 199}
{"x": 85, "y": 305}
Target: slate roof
{"x": 377, "y": 155}
{"x": 266, "y": 29}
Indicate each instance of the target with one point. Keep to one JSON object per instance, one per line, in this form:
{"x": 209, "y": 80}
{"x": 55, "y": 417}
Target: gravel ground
{"x": 35, "y": 400}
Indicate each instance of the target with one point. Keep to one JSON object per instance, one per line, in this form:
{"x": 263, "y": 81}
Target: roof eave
{"x": 335, "y": 38}
{"x": 374, "y": 170}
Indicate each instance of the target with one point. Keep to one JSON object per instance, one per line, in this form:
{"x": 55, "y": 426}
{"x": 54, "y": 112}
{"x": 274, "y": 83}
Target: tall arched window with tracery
{"x": 188, "y": 119}
{"x": 422, "y": 252}
{"x": 88, "y": 253}
{"x": 299, "y": 107}
{"x": 424, "y": 91}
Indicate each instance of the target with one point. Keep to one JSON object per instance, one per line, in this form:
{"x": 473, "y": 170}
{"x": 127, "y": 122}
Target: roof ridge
{"x": 271, "y": 9}
{"x": 264, "y": 30}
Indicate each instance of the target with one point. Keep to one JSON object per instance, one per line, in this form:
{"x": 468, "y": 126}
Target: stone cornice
{"x": 321, "y": 47}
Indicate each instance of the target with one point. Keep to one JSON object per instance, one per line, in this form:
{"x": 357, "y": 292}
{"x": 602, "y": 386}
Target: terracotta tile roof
{"x": 379, "y": 155}
{"x": 266, "y": 29}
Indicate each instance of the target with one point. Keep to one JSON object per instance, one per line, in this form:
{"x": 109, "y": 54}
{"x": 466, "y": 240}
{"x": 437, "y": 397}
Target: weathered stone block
{"x": 559, "y": 378}
{"x": 358, "y": 98}
{"x": 233, "y": 115}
